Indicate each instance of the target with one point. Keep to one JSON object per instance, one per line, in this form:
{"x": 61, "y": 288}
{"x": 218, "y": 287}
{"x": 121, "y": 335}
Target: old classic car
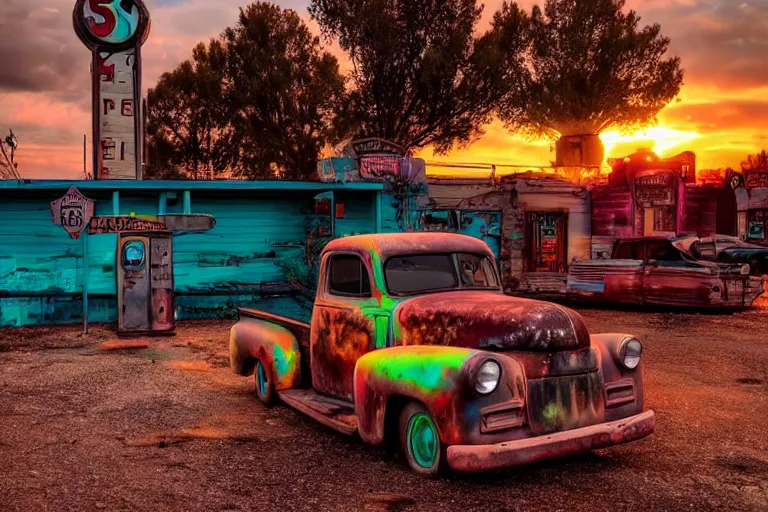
{"x": 412, "y": 341}
{"x": 728, "y": 249}
{"x": 662, "y": 270}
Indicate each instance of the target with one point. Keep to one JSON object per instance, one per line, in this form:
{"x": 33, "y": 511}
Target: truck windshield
{"x": 408, "y": 275}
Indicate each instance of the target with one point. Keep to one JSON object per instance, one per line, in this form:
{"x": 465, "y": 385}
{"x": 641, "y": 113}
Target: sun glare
{"x": 658, "y": 139}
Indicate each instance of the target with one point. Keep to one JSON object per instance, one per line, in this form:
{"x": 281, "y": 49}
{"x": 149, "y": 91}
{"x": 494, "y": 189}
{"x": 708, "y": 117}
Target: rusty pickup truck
{"x": 412, "y": 342}
{"x": 663, "y": 271}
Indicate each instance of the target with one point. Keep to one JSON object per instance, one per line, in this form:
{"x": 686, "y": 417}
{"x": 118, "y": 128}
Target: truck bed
{"x": 299, "y": 329}
{"x": 288, "y": 323}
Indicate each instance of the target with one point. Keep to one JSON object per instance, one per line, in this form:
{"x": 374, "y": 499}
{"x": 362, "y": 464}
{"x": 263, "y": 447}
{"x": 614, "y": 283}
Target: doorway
{"x": 658, "y": 219}
{"x": 547, "y": 242}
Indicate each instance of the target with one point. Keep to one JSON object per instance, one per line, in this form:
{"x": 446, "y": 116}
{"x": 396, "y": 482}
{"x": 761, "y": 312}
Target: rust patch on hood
{"x": 479, "y": 319}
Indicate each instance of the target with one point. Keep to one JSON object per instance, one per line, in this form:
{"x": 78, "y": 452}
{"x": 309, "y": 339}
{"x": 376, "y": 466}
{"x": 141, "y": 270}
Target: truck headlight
{"x": 629, "y": 352}
{"x": 745, "y": 270}
{"x": 487, "y": 378}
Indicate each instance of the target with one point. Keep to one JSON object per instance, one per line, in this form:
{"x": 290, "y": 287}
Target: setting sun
{"x": 658, "y": 139}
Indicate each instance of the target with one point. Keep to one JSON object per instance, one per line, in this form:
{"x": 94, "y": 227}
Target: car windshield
{"x": 420, "y": 273}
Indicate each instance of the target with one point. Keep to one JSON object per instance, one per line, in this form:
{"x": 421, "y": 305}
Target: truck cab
{"x": 412, "y": 339}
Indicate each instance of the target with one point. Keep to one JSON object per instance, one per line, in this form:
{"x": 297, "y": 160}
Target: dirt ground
{"x": 93, "y": 423}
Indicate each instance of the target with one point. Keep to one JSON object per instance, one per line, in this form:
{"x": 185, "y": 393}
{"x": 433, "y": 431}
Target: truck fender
{"x": 623, "y": 387}
{"x": 275, "y": 346}
{"x": 436, "y": 376}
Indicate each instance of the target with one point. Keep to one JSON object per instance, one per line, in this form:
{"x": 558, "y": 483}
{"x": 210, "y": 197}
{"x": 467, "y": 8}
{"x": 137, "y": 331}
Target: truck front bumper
{"x": 486, "y": 457}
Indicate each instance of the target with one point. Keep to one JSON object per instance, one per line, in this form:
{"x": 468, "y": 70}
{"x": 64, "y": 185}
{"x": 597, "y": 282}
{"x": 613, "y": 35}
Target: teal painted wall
{"x": 240, "y": 262}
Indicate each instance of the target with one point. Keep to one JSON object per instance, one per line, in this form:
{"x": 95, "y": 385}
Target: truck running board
{"x": 332, "y": 412}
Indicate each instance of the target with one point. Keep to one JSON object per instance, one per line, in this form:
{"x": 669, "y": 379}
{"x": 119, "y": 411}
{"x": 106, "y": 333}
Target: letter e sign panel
{"x": 73, "y": 212}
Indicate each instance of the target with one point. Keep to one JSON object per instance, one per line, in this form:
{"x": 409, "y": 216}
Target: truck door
{"x": 343, "y": 324}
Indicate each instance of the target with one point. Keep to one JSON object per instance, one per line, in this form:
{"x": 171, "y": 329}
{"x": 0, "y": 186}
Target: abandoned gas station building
{"x": 144, "y": 253}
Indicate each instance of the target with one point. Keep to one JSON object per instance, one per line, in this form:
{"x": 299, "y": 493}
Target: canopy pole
{"x": 85, "y": 283}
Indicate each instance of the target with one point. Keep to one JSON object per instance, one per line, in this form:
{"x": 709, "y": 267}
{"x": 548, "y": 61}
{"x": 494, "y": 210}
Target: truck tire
{"x": 420, "y": 441}
{"x": 264, "y": 383}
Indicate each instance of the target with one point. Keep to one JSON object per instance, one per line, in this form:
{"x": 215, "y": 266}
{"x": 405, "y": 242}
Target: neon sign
{"x": 111, "y": 24}
{"x": 114, "y": 31}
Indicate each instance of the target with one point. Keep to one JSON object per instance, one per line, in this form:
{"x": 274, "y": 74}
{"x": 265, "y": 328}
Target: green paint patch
{"x": 283, "y": 361}
{"x": 552, "y": 416}
{"x": 429, "y": 370}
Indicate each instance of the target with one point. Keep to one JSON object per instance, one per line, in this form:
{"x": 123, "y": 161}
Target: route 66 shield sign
{"x": 73, "y": 212}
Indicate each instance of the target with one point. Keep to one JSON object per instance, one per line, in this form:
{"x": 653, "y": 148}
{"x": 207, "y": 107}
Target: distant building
{"x": 648, "y": 195}
{"x": 536, "y": 224}
{"x": 751, "y": 189}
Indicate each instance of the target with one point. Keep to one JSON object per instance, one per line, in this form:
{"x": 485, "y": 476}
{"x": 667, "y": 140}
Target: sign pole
{"x": 85, "y": 283}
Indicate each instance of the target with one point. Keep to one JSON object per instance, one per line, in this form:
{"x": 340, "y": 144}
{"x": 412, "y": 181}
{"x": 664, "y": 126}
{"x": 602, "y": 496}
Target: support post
{"x": 162, "y": 203}
{"x": 85, "y": 275}
{"x": 115, "y": 202}
{"x": 377, "y": 212}
{"x": 333, "y": 215}
{"x": 187, "y": 202}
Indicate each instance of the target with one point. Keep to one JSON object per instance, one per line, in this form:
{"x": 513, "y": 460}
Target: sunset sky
{"x": 721, "y": 114}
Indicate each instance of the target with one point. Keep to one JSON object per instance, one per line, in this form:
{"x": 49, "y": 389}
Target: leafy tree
{"x": 589, "y": 68}
{"x": 285, "y": 91}
{"x": 257, "y": 102}
{"x": 419, "y": 75}
{"x": 188, "y": 119}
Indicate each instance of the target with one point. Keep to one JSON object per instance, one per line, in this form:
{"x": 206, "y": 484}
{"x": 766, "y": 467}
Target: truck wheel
{"x": 264, "y": 385}
{"x": 420, "y": 441}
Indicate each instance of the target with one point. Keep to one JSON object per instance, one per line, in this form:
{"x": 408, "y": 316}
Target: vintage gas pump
{"x": 145, "y": 283}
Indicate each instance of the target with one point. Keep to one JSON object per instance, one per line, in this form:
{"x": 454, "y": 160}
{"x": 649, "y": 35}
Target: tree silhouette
{"x": 419, "y": 77}
{"x": 758, "y": 161}
{"x": 257, "y": 102}
{"x": 589, "y": 68}
{"x": 188, "y": 119}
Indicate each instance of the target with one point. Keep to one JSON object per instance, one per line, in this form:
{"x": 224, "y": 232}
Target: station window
{"x": 757, "y": 225}
{"x": 547, "y": 242}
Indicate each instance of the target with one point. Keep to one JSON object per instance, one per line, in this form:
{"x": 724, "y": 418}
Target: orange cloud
{"x": 721, "y": 115}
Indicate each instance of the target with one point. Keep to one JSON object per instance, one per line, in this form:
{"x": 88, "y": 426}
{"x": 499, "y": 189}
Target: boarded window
{"x": 547, "y": 242}
{"x": 348, "y": 277}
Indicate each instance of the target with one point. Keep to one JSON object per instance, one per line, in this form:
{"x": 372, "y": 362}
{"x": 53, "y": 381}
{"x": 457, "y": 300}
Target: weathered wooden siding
{"x": 754, "y": 199}
{"x": 699, "y": 211}
{"x": 41, "y": 268}
{"x": 611, "y": 218}
{"x": 243, "y": 261}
